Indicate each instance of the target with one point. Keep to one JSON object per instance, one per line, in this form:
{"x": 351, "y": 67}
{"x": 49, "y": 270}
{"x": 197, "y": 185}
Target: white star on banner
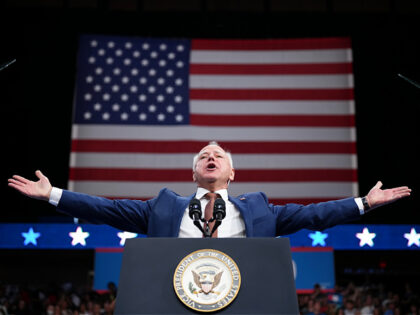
{"x": 413, "y": 238}
{"x": 366, "y": 238}
{"x": 79, "y": 237}
{"x": 125, "y": 235}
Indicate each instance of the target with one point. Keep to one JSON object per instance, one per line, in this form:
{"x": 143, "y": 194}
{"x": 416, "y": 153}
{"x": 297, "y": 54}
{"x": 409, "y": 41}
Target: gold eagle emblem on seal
{"x": 207, "y": 280}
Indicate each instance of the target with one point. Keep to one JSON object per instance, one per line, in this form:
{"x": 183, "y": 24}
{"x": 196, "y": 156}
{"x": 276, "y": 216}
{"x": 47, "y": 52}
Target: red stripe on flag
{"x": 271, "y": 44}
{"x": 255, "y": 69}
{"x": 137, "y": 146}
{"x": 183, "y": 175}
{"x": 273, "y": 120}
{"x": 296, "y": 175}
{"x": 193, "y": 147}
{"x": 271, "y": 94}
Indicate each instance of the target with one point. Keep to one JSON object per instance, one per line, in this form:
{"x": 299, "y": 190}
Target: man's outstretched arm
{"x": 40, "y": 189}
{"x": 127, "y": 215}
{"x": 293, "y": 217}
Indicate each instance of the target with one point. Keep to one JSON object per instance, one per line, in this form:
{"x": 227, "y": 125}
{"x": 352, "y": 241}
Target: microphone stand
{"x": 197, "y": 224}
{"x": 215, "y": 226}
{"x": 207, "y": 230}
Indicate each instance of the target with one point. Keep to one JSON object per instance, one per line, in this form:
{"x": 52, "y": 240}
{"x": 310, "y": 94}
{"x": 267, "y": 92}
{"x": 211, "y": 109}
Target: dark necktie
{"x": 208, "y": 212}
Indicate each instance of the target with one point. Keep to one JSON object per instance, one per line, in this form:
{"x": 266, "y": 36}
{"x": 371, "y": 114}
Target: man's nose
{"x": 211, "y": 156}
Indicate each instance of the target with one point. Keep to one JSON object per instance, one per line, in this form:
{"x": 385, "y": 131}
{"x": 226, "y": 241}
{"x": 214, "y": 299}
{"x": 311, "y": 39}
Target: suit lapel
{"x": 179, "y": 207}
{"x": 242, "y": 205}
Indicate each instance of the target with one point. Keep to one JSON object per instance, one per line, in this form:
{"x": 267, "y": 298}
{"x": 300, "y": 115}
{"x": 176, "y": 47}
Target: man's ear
{"x": 194, "y": 178}
{"x": 232, "y": 175}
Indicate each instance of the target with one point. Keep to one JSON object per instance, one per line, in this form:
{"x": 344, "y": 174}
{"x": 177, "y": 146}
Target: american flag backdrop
{"x": 284, "y": 108}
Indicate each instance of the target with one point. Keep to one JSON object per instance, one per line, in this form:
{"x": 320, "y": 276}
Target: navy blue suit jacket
{"x": 162, "y": 215}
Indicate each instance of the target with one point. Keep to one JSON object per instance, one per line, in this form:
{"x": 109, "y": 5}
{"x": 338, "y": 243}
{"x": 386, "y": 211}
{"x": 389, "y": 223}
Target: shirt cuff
{"x": 55, "y": 196}
{"x": 360, "y": 205}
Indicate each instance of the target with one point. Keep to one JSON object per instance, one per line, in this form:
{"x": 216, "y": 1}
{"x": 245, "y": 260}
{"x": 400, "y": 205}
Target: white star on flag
{"x": 413, "y": 238}
{"x": 79, "y": 237}
{"x": 124, "y": 235}
{"x": 366, "y": 238}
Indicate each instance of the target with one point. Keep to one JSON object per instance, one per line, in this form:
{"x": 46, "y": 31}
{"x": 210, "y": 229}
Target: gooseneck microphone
{"x": 219, "y": 213}
{"x": 195, "y": 209}
{"x": 195, "y": 213}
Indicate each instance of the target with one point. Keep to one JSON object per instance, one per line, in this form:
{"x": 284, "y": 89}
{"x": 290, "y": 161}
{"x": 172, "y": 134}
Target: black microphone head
{"x": 219, "y": 210}
{"x": 195, "y": 209}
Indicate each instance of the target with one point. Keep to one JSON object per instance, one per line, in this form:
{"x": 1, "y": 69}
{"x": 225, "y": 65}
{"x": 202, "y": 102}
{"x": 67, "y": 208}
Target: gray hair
{"x": 229, "y": 156}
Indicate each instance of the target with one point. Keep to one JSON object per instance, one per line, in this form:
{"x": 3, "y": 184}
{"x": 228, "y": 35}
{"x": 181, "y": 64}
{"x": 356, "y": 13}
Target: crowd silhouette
{"x": 348, "y": 299}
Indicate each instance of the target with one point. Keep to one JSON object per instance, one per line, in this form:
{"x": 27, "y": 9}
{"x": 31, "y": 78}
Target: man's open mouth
{"x": 211, "y": 166}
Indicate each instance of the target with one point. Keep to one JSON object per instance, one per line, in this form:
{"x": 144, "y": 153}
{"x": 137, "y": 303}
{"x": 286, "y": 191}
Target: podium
{"x": 152, "y": 266}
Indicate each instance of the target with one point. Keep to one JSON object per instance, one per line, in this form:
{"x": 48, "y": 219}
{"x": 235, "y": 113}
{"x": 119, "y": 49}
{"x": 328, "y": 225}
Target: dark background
{"x": 36, "y": 93}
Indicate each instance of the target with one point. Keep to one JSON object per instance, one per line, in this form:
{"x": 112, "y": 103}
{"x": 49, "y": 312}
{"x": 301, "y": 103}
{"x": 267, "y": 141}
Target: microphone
{"x": 219, "y": 210}
{"x": 195, "y": 213}
{"x": 219, "y": 213}
{"x": 195, "y": 209}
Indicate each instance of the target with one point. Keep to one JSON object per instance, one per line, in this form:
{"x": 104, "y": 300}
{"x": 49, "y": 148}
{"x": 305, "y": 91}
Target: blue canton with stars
{"x": 129, "y": 80}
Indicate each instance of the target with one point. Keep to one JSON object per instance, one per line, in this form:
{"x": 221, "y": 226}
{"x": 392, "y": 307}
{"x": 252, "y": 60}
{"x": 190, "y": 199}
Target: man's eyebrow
{"x": 206, "y": 152}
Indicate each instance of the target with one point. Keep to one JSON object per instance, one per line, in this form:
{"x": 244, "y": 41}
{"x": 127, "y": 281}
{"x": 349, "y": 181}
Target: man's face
{"x": 213, "y": 167}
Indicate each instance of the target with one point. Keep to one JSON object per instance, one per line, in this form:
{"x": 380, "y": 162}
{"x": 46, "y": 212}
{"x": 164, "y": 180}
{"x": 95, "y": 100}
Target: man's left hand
{"x": 378, "y": 197}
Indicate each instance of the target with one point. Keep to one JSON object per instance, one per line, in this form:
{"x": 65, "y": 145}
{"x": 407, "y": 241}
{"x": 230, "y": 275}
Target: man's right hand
{"x": 38, "y": 190}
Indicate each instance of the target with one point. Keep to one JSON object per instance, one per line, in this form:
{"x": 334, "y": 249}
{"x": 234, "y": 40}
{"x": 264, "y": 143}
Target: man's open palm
{"x": 40, "y": 189}
{"x": 378, "y": 197}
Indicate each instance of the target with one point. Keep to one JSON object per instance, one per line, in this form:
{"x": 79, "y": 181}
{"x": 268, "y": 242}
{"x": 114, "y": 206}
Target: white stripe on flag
{"x": 272, "y": 107}
{"x": 273, "y": 190}
{"x": 122, "y": 132}
{"x": 322, "y": 81}
{"x": 240, "y": 161}
{"x": 270, "y": 56}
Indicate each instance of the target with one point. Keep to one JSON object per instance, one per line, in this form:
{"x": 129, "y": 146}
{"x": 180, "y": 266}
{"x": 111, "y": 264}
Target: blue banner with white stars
{"x": 90, "y": 236}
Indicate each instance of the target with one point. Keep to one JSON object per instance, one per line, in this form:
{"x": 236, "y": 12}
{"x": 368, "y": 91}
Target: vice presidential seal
{"x": 207, "y": 280}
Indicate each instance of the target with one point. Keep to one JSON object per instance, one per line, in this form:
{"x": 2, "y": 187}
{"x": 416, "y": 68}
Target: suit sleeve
{"x": 320, "y": 216}
{"x": 124, "y": 214}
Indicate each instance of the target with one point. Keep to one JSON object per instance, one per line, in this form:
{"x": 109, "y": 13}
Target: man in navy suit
{"x": 248, "y": 215}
